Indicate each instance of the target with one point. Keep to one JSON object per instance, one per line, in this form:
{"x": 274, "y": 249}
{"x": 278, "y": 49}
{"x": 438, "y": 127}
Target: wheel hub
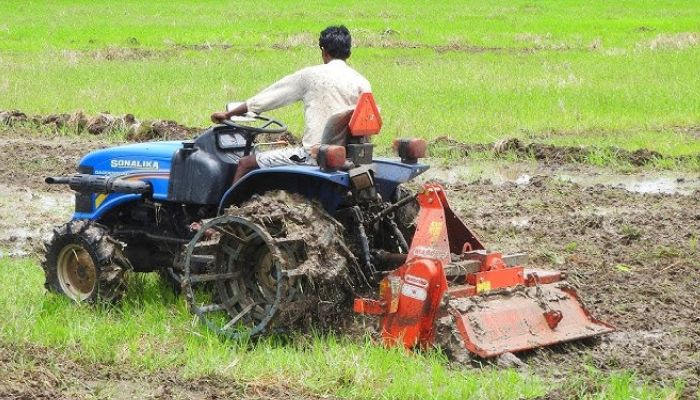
{"x": 76, "y": 272}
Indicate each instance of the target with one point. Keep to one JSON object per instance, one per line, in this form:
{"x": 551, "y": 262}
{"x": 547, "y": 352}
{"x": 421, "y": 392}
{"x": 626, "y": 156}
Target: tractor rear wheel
{"x": 275, "y": 263}
{"x": 84, "y": 263}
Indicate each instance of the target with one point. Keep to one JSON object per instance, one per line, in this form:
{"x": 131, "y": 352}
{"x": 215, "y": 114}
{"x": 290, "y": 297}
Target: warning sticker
{"x": 414, "y": 292}
{"x": 483, "y": 286}
{"x": 416, "y": 280}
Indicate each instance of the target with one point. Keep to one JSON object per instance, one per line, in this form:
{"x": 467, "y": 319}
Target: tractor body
{"x": 148, "y": 194}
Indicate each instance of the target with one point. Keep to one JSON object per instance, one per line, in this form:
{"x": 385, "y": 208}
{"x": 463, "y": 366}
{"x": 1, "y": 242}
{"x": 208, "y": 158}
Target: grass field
{"x": 153, "y": 331}
{"x": 601, "y": 73}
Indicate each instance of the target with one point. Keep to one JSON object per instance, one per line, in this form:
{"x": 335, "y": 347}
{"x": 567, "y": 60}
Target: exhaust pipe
{"x": 85, "y": 183}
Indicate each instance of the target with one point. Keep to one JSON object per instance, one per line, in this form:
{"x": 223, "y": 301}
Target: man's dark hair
{"x": 336, "y": 41}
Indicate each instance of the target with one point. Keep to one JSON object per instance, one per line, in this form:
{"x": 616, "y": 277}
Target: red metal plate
{"x": 365, "y": 119}
{"x": 510, "y": 322}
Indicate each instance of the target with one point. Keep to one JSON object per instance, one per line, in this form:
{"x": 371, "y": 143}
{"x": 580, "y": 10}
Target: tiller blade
{"x": 523, "y": 318}
{"x": 497, "y": 305}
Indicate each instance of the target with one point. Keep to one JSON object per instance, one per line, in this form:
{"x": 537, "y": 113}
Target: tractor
{"x": 297, "y": 246}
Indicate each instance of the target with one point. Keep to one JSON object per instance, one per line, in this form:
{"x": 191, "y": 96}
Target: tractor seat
{"x": 336, "y": 131}
{"x": 352, "y": 129}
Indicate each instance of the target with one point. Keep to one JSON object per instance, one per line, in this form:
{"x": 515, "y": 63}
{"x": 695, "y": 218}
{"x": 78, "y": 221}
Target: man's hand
{"x": 219, "y": 116}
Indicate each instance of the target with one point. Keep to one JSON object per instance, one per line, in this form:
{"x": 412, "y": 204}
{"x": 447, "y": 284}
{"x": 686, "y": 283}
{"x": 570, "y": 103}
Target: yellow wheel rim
{"x": 76, "y": 272}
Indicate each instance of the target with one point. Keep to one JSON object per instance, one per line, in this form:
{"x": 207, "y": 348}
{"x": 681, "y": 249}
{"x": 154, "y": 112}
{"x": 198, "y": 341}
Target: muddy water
{"x": 26, "y": 216}
{"x": 524, "y": 174}
{"x": 648, "y": 183}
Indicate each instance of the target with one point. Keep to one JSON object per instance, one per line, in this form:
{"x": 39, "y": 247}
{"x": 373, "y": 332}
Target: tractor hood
{"x": 130, "y": 158}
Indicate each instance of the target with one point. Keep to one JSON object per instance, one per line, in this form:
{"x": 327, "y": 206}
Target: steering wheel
{"x": 269, "y": 125}
{"x": 249, "y": 132}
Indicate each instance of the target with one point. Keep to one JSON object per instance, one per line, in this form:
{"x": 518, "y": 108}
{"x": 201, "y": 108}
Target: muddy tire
{"x": 84, "y": 263}
{"x": 280, "y": 264}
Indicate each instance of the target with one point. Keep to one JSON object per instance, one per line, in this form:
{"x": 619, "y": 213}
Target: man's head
{"x": 335, "y": 43}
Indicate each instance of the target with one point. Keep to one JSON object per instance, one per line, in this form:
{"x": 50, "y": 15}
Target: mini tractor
{"x": 291, "y": 247}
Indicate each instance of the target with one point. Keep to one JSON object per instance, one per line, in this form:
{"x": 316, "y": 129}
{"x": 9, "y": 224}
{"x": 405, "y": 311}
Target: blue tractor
{"x": 281, "y": 246}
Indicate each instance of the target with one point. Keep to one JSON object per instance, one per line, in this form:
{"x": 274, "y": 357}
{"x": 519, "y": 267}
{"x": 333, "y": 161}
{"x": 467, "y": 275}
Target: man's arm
{"x": 222, "y": 115}
{"x": 285, "y": 91}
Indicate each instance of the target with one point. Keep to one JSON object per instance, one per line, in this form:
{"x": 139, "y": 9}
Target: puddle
{"x": 27, "y": 215}
{"x": 639, "y": 183}
{"x": 521, "y": 222}
{"x": 522, "y": 174}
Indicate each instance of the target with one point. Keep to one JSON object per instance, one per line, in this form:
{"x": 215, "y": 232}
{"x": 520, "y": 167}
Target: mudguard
{"x": 329, "y": 188}
{"x": 389, "y": 173}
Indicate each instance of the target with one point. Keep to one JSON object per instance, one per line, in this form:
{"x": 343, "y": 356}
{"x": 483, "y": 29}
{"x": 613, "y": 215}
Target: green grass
{"x": 152, "y": 330}
{"x": 563, "y": 72}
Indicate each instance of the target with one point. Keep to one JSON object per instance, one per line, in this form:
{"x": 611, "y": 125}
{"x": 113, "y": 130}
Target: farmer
{"x": 324, "y": 89}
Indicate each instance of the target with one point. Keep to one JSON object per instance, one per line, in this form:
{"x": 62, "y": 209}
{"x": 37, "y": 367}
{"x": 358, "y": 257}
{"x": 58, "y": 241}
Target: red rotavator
{"x": 497, "y": 305}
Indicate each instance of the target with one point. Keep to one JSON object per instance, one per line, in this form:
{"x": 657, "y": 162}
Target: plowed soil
{"x": 634, "y": 258}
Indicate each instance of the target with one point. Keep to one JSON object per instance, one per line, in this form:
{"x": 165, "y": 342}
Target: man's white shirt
{"x": 324, "y": 89}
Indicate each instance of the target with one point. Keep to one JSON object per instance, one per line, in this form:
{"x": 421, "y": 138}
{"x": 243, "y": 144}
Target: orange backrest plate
{"x": 365, "y": 119}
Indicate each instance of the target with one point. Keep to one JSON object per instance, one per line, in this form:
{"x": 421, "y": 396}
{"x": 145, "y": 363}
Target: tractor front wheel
{"x": 84, "y": 263}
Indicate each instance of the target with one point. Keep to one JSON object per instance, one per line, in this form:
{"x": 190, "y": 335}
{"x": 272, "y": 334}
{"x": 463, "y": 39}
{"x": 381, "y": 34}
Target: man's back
{"x": 325, "y": 89}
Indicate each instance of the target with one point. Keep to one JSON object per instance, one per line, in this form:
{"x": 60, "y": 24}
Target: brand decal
{"x": 416, "y": 280}
{"x": 134, "y": 164}
{"x": 435, "y": 230}
{"x": 430, "y": 252}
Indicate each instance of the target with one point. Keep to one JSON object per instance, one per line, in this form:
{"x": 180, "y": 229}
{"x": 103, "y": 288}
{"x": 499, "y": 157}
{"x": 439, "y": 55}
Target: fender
{"x": 329, "y": 188}
{"x": 388, "y": 174}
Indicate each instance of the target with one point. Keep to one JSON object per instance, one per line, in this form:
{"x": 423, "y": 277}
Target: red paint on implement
{"x": 500, "y": 309}
{"x": 516, "y": 321}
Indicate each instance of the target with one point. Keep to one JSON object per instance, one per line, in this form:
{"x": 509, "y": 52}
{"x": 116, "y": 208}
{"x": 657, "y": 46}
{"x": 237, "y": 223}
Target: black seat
{"x": 359, "y": 150}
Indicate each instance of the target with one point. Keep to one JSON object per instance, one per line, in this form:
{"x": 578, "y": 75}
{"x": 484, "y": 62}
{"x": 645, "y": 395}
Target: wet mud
{"x": 632, "y": 254}
{"x": 552, "y": 154}
{"x": 30, "y": 160}
{"x": 102, "y": 123}
{"x": 633, "y": 257}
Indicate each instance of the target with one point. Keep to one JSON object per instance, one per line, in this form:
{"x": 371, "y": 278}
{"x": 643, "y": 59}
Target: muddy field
{"x": 633, "y": 256}
{"x": 629, "y": 243}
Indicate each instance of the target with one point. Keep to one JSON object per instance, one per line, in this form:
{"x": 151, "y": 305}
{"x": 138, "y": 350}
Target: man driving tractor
{"x": 325, "y": 90}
